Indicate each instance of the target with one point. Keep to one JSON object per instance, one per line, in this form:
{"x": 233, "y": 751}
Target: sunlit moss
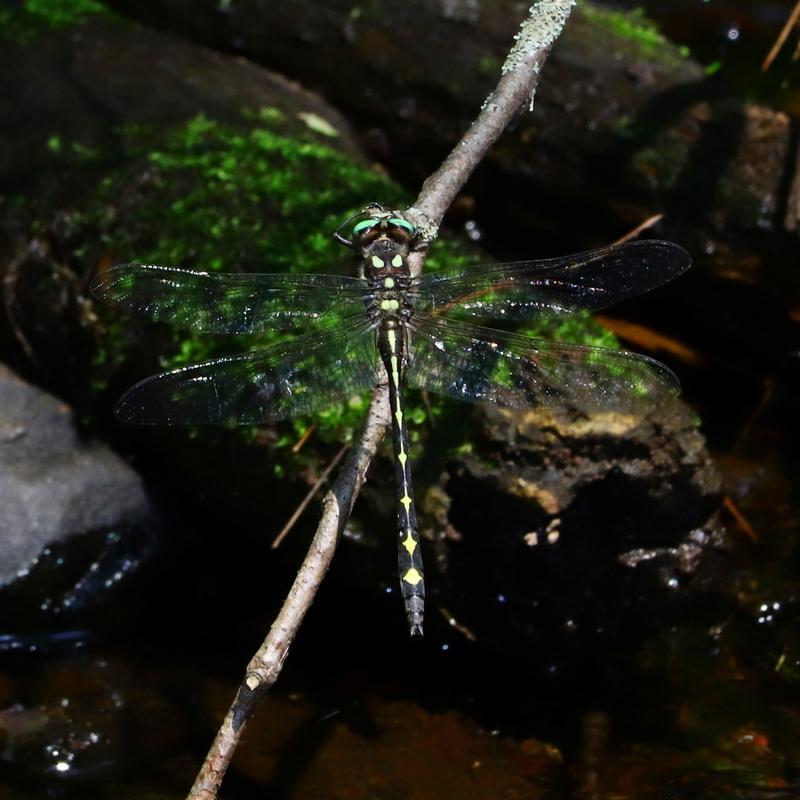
{"x": 449, "y": 253}
{"x": 575, "y": 328}
{"x": 254, "y": 199}
{"x": 634, "y": 26}
{"x": 223, "y": 197}
{"x": 23, "y": 23}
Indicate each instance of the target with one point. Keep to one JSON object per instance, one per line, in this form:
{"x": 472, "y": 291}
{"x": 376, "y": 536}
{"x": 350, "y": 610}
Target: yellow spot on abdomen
{"x": 405, "y": 500}
{"x": 409, "y": 543}
{"x": 395, "y": 371}
{"x": 412, "y": 577}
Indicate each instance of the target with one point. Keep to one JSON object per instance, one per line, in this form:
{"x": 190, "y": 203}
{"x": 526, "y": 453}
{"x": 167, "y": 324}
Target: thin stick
{"x": 792, "y": 218}
{"x": 265, "y": 666}
{"x": 640, "y": 228}
{"x": 10, "y": 280}
{"x": 298, "y": 445}
{"x": 515, "y": 90}
{"x": 276, "y": 542}
{"x": 740, "y": 518}
{"x": 782, "y": 37}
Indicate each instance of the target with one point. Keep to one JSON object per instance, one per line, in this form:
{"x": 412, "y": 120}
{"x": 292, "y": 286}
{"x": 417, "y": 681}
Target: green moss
{"x": 258, "y": 200}
{"x": 234, "y": 198}
{"x": 576, "y": 328}
{"x": 635, "y": 27}
{"x": 23, "y": 24}
{"x": 231, "y": 198}
{"x": 449, "y": 254}
{"x": 489, "y": 65}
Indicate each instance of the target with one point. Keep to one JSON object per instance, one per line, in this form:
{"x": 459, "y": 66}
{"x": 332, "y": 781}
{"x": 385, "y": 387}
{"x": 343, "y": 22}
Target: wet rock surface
{"x": 60, "y": 493}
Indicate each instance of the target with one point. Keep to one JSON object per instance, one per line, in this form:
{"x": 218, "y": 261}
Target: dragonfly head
{"x": 376, "y": 222}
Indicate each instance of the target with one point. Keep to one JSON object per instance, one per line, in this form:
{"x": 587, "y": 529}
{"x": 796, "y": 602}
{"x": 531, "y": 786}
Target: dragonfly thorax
{"x": 385, "y": 268}
{"x": 384, "y": 258}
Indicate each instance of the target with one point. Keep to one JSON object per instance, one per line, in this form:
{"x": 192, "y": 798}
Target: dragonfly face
{"x": 383, "y": 238}
{"x": 385, "y": 325}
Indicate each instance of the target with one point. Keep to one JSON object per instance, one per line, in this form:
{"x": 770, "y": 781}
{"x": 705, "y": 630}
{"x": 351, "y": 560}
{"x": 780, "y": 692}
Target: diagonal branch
{"x": 794, "y": 18}
{"x": 265, "y": 665}
{"x": 515, "y": 91}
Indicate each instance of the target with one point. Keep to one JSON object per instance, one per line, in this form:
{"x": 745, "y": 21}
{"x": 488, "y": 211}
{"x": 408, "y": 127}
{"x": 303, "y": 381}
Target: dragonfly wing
{"x": 301, "y": 376}
{"x": 484, "y": 365}
{"x": 555, "y": 286}
{"x": 210, "y": 302}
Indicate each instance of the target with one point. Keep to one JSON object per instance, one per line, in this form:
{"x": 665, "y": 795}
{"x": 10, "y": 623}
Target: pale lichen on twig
{"x": 514, "y": 91}
{"x": 537, "y": 34}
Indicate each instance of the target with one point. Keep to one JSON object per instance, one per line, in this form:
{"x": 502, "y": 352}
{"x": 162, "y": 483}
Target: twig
{"x": 640, "y": 228}
{"x": 10, "y": 280}
{"x": 299, "y": 444}
{"x": 782, "y": 37}
{"x": 265, "y": 666}
{"x": 740, "y": 518}
{"x": 276, "y": 542}
{"x": 516, "y": 89}
{"x": 792, "y": 217}
{"x": 457, "y": 626}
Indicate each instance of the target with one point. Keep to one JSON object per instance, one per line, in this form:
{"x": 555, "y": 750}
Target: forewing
{"x": 556, "y": 286}
{"x": 226, "y": 303}
{"x": 302, "y": 376}
{"x": 487, "y": 366}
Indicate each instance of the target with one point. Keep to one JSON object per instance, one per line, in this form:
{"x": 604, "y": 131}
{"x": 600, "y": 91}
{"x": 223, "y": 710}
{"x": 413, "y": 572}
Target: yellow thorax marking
{"x": 389, "y": 283}
{"x": 377, "y": 262}
{"x": 390, "y": 305}
{"x": 397, "y": 261}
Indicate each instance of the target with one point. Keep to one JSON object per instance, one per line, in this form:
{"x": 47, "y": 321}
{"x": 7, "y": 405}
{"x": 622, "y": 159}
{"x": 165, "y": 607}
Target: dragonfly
{"x": 353, "y": 332}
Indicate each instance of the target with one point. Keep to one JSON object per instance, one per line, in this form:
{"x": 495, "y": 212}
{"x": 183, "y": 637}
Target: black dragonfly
{"x": 383, "y": 324}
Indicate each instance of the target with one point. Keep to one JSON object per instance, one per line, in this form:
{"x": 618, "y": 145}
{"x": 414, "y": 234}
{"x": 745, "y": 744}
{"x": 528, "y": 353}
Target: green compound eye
{"x": 364, "y": 225}
{"x": 402, "y": 223}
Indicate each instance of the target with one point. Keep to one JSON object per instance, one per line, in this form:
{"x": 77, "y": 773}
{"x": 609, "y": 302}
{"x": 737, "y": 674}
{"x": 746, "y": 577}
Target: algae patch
{"x": 23, "y": 24}
{"x": 634, "y": 26}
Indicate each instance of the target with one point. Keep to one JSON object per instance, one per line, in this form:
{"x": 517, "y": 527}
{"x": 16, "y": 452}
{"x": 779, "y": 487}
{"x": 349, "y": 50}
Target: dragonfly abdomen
{"x": 409, "y": 552}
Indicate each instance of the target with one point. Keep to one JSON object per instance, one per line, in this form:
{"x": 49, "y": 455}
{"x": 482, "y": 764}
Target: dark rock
{"x": 88, "y": 82}
{"x": 58, "y": 493}
{"x": 549, "y": 459}
{"x": 619, "y": 101}
{"x": 571, "y": 536}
